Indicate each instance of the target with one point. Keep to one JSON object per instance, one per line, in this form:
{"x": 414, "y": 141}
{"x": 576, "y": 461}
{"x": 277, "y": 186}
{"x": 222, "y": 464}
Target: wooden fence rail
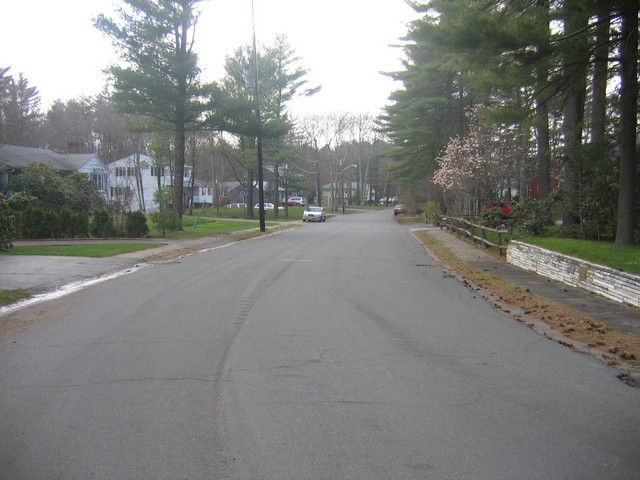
{"x": 475, "y": 231}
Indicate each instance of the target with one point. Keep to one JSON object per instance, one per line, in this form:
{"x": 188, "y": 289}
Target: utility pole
{"x": 261, "y": 214}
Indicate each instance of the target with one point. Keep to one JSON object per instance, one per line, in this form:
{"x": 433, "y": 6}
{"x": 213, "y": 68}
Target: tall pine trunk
{"x": 628, "y": 124}
{"x": 576, "y": 57}
{"x": 178, "y": 169}
{"x": 182, "y": 54}
{"x": 543, "y": 149}
{"x": 599, "y": 84}
{"x": 249, "y": 194}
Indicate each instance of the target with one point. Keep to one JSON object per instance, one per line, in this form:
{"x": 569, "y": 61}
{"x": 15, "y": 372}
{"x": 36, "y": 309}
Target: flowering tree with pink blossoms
{"x": 480, "y": 166}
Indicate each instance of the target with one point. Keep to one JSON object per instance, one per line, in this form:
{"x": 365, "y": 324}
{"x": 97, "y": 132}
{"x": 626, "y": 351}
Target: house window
{"x": 157, "y": 171}
{"x": 187, "y": 172}
{"x": 125, "y": 172}
{"x": 120, "y": 192}
{"x": 99, "y": 180}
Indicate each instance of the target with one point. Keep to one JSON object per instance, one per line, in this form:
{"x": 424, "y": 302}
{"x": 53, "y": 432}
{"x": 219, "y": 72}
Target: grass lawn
{"x": 10, "y": 296}
{"x": 205, "y": 226}
{"x": 82, "y": 250}
{"x": 290, "y": 215}
{"x": 620, "y": 257}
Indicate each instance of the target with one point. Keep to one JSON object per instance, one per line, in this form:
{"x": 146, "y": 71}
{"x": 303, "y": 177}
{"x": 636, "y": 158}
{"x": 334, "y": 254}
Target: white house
{"x": 134, "y": 180}
{"x": 350, "y": 192}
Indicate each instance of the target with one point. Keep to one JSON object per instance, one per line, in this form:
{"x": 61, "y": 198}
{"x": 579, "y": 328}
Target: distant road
{"x": 334, "y": 351}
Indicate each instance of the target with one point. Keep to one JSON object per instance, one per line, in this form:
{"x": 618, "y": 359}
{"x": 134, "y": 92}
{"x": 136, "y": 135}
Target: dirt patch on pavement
{"x": 170, "y": 254}
{"x": 23, "y": 320}
{"x": 569, "y": 327}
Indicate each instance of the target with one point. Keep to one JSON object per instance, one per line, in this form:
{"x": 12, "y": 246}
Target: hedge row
{"x": 35, "y": 222}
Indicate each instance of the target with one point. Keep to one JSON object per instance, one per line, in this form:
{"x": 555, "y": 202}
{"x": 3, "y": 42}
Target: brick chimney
{"x": 73, "y": 147}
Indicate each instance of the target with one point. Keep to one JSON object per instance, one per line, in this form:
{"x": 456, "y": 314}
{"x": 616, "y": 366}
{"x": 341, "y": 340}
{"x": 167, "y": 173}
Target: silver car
{"x": 297, "y": 201}
{"x": 314, "y": 214}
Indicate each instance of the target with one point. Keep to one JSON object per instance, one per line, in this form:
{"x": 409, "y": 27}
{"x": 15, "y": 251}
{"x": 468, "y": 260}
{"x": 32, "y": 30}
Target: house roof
{"x": 19, "y": 157}
{"x": 75, "y": 161}
{"x": 126, "y": 161}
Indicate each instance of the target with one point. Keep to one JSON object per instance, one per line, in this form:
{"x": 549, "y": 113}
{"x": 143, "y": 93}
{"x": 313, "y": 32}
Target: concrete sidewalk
{"x": 600, "y": 308}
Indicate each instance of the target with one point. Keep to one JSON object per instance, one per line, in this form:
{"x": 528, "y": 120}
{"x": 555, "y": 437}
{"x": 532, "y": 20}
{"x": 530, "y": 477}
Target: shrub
{"x": 35, "y": 222}
{"x": 166, "y": 221}
{"x": 79, "y": 225}
{"x": 19, "y": 201}
{"x": 7, "y": 225}
{"x": 493, "y": 217}
{"x": 101, "y": 225}
{"x": 118, "y": 219}
{"x": 531, "y": 218}
{"x": 63, "y": 223}
{"x": 429, "y": 209}
{"x": 135, "y": 225}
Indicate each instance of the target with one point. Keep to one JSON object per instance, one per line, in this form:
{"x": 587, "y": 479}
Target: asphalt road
{"x": 337, "y": 350}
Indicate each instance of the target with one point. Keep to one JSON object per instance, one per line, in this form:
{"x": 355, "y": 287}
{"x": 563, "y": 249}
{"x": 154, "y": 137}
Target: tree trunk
{"x": 543, "y": 150}
{"x": 249, "y": 194}
{"x": 599, "y": 85}
{"x": 276, "y": 188}
{"x": 542, "y": 116}
{"x": 182, "y": 30}
{"x": 139, "y": 184}
{"x": 628, "y": 124}
{"x": 178, "y": 170}
{"x": 575, "y": 57}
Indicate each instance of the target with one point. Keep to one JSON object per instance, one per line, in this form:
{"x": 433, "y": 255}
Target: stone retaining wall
{"x": 615, "y": 285}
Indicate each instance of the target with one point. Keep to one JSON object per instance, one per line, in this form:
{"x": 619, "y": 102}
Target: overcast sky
{"x": 343, "y": 43}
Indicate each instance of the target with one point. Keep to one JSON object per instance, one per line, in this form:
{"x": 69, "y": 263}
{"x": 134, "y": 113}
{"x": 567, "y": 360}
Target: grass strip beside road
{"x": 97, "y": 250}
{"x": 205, "y": 226}
{"x": 10, "y": 296}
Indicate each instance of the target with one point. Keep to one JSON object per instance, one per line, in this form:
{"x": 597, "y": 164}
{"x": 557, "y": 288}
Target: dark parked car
{"x": 398, "y": 209}
{"x": 297, "y": 201}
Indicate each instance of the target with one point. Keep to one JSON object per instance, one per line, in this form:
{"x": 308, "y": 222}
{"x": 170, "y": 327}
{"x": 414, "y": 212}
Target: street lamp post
{"x": 261, "y": 212}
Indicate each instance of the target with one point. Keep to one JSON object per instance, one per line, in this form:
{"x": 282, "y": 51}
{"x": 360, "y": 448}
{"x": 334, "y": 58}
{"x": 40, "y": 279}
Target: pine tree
{"x": 160, "y": 79}
{"x": 20, "y": 117}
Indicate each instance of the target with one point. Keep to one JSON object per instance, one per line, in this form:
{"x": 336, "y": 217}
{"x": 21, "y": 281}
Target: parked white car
{"x": 314, "y": 214}
{"x": 267, "y": 206}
